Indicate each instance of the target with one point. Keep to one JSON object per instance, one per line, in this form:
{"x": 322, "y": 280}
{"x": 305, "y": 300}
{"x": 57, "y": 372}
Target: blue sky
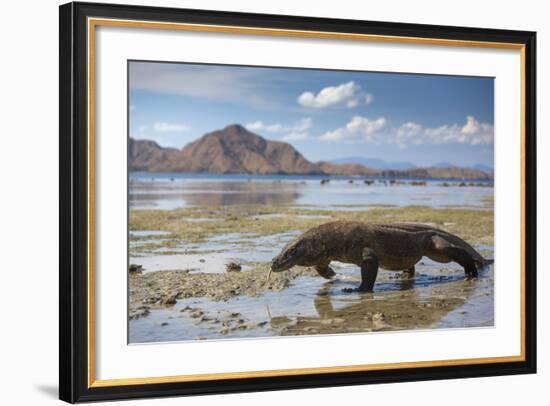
{"x": 423, "y": 119}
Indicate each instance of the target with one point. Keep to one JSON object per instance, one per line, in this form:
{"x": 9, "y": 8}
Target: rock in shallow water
{"x": 133, "y": 268}
{"x": 233, "y": 267}
{"x": 169, "y": 300}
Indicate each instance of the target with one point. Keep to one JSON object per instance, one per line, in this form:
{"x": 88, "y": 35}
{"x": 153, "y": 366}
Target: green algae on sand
{"x": 473, "y": 225}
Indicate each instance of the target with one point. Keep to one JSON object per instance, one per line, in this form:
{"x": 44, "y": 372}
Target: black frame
{"x": 73, "y": 197}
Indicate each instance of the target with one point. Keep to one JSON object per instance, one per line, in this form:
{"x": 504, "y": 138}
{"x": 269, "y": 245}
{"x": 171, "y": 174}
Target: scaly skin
{"x": 392, "y": 246}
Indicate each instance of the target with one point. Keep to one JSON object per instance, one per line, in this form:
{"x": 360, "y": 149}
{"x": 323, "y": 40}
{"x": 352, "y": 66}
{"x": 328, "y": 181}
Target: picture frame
{"x": 79, "y": 163}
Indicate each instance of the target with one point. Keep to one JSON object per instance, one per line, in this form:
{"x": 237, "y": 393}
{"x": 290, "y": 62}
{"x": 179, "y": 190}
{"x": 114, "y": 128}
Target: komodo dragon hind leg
{"x": 409, "y": 273}
{"x": 325, "y": 271}
{"x": 369, "y": 270}
{"x": 444, "y": 251}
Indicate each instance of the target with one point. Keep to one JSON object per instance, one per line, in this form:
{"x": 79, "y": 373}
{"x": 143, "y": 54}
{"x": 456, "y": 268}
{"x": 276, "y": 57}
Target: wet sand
{"x": 184, "y": 291}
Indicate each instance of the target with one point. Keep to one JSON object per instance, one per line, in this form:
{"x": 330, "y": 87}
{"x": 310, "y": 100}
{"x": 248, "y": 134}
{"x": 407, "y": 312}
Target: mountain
{"x": 452, "y": 172}
{"x": 234, "y": 149}
{"x": 148, "y": 156}
{"x": 485, "y": 168}
{"x": 231, "y": 150}
{"x": 478, "y": 167}
{"x": 408, "y": 169}
{"x": 373, "y": 163}
{"x": 347, "y": 169}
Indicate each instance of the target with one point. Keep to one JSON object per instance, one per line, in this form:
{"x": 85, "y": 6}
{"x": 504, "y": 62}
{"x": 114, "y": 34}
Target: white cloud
{"x": 164, "y": 127}
{"x": 295, "y": 132}
{"x": 362, "y": 129}
{"x": 472, "y": 133}
{"x": 296, "y": 136}
{"x": 408, "y": 133}
{"x": 347, "y": 95}
{"x": 260, "y": 126}
{"x": 359, "y": 129}
{"x": 303, "y": 125}
{"x": 478, "y": 133}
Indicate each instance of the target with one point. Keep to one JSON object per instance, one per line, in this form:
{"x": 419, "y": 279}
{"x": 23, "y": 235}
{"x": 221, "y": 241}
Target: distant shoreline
{"x": 299, "y": 176}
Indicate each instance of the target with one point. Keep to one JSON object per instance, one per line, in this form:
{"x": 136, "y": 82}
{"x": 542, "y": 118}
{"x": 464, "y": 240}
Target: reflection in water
{"x": 172, "y": 191}
{"x": 372, "y": 311}
{"x": 312, "y": 306}
{"x": 177, "y": 194}
{"x": 406, "y": 306}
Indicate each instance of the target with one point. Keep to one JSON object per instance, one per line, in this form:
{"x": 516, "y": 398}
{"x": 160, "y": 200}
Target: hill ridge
{"x": 236, "y": 150}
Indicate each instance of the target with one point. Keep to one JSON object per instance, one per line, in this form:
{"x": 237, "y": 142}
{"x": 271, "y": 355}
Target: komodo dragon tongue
{"x": 269, "y": 274}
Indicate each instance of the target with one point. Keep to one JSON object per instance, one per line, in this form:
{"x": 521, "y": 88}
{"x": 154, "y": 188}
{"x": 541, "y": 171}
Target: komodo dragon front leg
{"x": 442, "y": 250}
{"x": 369, "y": 270}
{"x": 325, "y": 270}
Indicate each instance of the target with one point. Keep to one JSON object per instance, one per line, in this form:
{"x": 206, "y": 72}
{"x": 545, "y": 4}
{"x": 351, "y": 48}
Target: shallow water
{"x": 435, "y": 298}
{"x": 213, "y": 255}
{"x": 312, "y": 305}
{"x": 171, "y": 191}
{"x": 477, "y": 311}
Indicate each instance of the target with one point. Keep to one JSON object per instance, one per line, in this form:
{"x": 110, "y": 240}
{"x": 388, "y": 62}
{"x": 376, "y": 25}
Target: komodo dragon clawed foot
{"x": 409, "y": 273}
{"x": 325, "y": 271}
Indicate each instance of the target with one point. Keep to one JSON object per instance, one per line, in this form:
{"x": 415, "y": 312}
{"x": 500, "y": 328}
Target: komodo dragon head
{"x": 302, "y": 251}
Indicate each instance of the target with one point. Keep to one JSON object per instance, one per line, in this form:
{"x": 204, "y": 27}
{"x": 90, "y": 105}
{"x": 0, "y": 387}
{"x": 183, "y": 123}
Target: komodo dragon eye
{"x": 292, "y": 251}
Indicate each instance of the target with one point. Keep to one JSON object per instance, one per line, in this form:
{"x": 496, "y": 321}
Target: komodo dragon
{"x": 392, "y": 246}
